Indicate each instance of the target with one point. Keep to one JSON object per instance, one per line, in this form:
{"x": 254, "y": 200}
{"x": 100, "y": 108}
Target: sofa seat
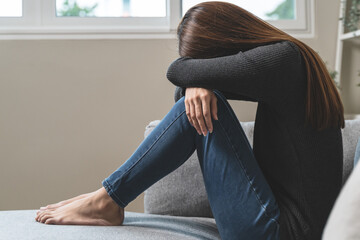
{"x": 21, "y": 224}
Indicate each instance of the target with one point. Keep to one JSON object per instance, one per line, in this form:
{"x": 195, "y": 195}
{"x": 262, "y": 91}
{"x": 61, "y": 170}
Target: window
{"x": 10, "y": 8}
{"x": 267, "y": 10}
{"x": 284, "y": 14}
{"x": 132, "y": 18}
{"x": 110, "y": 8}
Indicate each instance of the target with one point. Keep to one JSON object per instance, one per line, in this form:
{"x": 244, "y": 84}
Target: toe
{"x": 45, "y": 217}
{"x": 45, "y": 207}
{"x": 38, "y": 218}
{"x": 41, "y": 214}
{"x": 50, "y": 220}
{"x": 40, "y": 211}
{"x": 38, "y": 215}
{"x": 52, "y": 206}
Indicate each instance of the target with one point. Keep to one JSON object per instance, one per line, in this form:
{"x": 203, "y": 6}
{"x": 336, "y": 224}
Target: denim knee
{"x": 223, "y": 103}
{"x": 219, "y": 94}
{"x": 222, "y": 97}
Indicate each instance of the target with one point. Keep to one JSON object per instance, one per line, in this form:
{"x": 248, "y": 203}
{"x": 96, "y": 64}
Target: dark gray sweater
{"x": 303, "y": 166}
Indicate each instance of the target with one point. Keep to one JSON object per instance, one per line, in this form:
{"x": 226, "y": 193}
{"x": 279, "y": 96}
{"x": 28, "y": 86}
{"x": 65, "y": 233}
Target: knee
{"x": 219, "y": 94}
{"x": 221, "y": 97}
{"x": 222, "y": 102}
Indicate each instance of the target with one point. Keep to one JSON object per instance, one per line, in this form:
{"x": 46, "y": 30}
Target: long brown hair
{"x": 213, "y": 29}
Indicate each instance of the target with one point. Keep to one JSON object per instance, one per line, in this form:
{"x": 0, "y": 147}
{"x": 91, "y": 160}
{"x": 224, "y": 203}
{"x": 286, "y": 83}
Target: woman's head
{"x": 213, "y": 29}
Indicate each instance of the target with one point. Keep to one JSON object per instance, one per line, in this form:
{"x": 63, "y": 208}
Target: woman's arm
{"x": 180, "y": 92}
{"x": 259, "y": 74}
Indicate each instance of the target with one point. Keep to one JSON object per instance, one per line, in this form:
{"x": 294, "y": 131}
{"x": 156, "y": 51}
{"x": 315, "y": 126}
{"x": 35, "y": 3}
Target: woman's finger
{"x": 213, "y": 104}
{"x": 193, "y": 117}
{"x": 206, "y": 113}
{"x": 187, "y": 109}
{"x": 200, "y": 116}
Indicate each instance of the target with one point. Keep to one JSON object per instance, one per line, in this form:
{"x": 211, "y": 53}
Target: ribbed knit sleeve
{"x": 180, "y": 92}
{"x": 256, "y": 74}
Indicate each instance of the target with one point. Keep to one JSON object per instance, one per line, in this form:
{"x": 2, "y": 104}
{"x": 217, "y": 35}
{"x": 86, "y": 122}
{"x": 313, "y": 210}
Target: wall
{"x": 72, "y": 111}
{"x": 350, "y": 76}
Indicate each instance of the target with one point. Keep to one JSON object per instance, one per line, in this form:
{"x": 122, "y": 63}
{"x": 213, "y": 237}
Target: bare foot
{"x": 95, "y": 209}
{"x": 62, "y": 203}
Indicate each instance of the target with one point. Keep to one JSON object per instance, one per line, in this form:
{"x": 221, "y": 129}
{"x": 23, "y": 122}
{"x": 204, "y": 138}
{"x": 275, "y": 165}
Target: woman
{"x": 283, "y": 188}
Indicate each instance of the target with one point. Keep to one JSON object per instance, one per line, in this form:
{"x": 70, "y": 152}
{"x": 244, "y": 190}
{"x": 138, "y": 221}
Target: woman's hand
{"x": 201, "y": 104}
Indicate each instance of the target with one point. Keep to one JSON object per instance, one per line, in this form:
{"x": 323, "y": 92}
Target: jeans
{"x": 240, "y": 198}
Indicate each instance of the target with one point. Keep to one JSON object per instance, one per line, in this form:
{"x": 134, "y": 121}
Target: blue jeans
{"x": 240, "y": 198}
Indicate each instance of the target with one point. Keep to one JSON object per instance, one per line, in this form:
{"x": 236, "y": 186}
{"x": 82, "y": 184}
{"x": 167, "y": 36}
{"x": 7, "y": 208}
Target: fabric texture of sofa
{"x": 176, "y": 207}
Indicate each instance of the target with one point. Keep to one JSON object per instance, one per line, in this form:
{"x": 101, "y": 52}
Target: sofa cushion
{"x": 350, "y": 136}
{"x": 357, "y": 153}
{"x": 182, "y": 192}
{"x": 21, "y": 225}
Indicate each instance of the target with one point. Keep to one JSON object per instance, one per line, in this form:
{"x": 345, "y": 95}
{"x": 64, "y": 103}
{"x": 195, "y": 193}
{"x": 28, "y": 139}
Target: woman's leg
{"x": 241, "y": 200}
{"x": 168, "y": 146}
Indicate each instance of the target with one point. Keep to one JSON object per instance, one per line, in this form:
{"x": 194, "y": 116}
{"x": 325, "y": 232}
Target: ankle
{"x": 105, "y": 202}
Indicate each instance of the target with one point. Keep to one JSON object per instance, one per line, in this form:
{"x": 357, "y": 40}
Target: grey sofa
{"x": 176, "y": 207}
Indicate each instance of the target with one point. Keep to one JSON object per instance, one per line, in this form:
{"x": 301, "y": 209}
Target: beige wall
{"x": 72, "y": 111}
{"x": 350, "y": 76}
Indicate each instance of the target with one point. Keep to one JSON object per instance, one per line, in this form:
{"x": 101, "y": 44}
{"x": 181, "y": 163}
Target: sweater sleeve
{"x": 180, "y": 92}
{"x": 258, "y": 74}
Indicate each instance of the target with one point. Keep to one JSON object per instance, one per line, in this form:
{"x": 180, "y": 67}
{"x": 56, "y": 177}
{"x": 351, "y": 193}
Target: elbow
{"x": 177, "y": 72}
{"x": 171, "y": 74}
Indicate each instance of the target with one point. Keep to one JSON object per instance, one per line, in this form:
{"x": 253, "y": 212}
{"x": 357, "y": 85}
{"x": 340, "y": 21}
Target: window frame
{"x": 39, "y": 22}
